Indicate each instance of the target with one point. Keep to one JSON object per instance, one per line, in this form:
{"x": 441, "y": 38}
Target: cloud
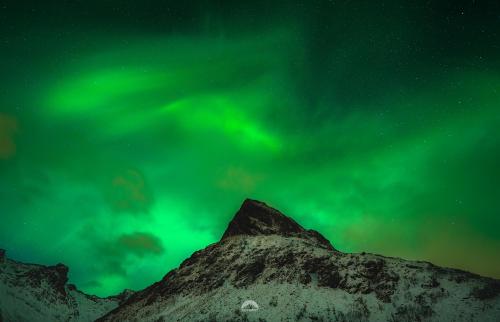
{"x": 115, "y": 255}
{"x": 8, "y": 127}
{"x": 137, "y": 243}
{"x": 128, "y": 191}
{"x": 238, "y": 179}
{"x": 140, "y": 244}
{"x": 456, "y": 244}
{"x": 446, "y": 241}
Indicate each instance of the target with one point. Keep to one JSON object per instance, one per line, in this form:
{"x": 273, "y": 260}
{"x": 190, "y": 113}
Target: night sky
{"x": 130, "y": 132}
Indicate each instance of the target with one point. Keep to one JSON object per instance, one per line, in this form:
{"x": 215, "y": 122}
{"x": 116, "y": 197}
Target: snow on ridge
{"x": 33, "y": 292}
{"x": 291, "y": 273}
{"x": 293, "y": 279}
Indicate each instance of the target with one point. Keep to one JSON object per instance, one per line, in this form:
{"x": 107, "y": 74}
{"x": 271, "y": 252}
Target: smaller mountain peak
{"x": 56, "y": 275}
{"x": 123, "y": 296}
{"x": 256, "y": 218}
{"x": 60, "y": 269}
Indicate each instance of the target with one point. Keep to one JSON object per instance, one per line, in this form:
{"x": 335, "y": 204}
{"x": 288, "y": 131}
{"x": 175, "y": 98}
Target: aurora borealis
{"x": 130, "y": 132}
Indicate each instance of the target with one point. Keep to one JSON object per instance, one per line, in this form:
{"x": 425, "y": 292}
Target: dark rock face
{"x": 489, "y": 290}
{"x": 256, "y": 218}
{"x": 247, "y": 274}
{"x": 56, "y": 276}
{"x": 123, "y": 296}
{"x": 363, "y": 277}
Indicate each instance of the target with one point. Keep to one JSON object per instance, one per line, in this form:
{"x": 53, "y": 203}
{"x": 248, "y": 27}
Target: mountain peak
{"x": 295, "y": 274}
{"x": 257, "y": 218}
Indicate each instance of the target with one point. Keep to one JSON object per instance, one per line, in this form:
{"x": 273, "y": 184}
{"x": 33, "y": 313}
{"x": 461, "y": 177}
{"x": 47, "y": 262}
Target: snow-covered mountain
{"x": 36, "y": 293}
{"x": 267, "y": 267}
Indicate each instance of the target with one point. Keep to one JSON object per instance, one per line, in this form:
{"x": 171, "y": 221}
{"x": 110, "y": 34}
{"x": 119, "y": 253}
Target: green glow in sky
{"x": 127, "y": 145}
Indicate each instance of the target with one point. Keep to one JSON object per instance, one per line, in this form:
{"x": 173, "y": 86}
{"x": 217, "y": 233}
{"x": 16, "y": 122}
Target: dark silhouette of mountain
{"x": 256, "y": 218}
{"x": 294, "y": 274}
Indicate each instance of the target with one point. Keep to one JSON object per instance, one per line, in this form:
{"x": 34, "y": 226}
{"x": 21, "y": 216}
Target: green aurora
{"x": 130, "y": 133}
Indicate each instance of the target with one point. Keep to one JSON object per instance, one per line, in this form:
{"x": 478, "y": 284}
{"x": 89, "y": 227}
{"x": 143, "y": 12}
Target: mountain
{"x": 36, "y": 293}
{"x": 266, "y": 267}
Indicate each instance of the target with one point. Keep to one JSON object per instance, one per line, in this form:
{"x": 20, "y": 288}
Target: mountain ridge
{"x": 34, "y": 292}
{"x": 294, "y": 276}
{"x": 289, "y": 272}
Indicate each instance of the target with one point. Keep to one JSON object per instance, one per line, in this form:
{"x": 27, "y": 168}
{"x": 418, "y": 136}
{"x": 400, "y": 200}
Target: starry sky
{"x": 131, "y": 131}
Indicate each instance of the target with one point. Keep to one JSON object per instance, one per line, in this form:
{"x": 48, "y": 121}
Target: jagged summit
{"x": 266, "y": 258}
{"x": 257, "y": 218}
{"x": 294, "y": 274}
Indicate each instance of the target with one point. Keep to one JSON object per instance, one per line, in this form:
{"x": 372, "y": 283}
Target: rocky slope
{"x": 32, "y": 293}
{"x": 293, "y": 274}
